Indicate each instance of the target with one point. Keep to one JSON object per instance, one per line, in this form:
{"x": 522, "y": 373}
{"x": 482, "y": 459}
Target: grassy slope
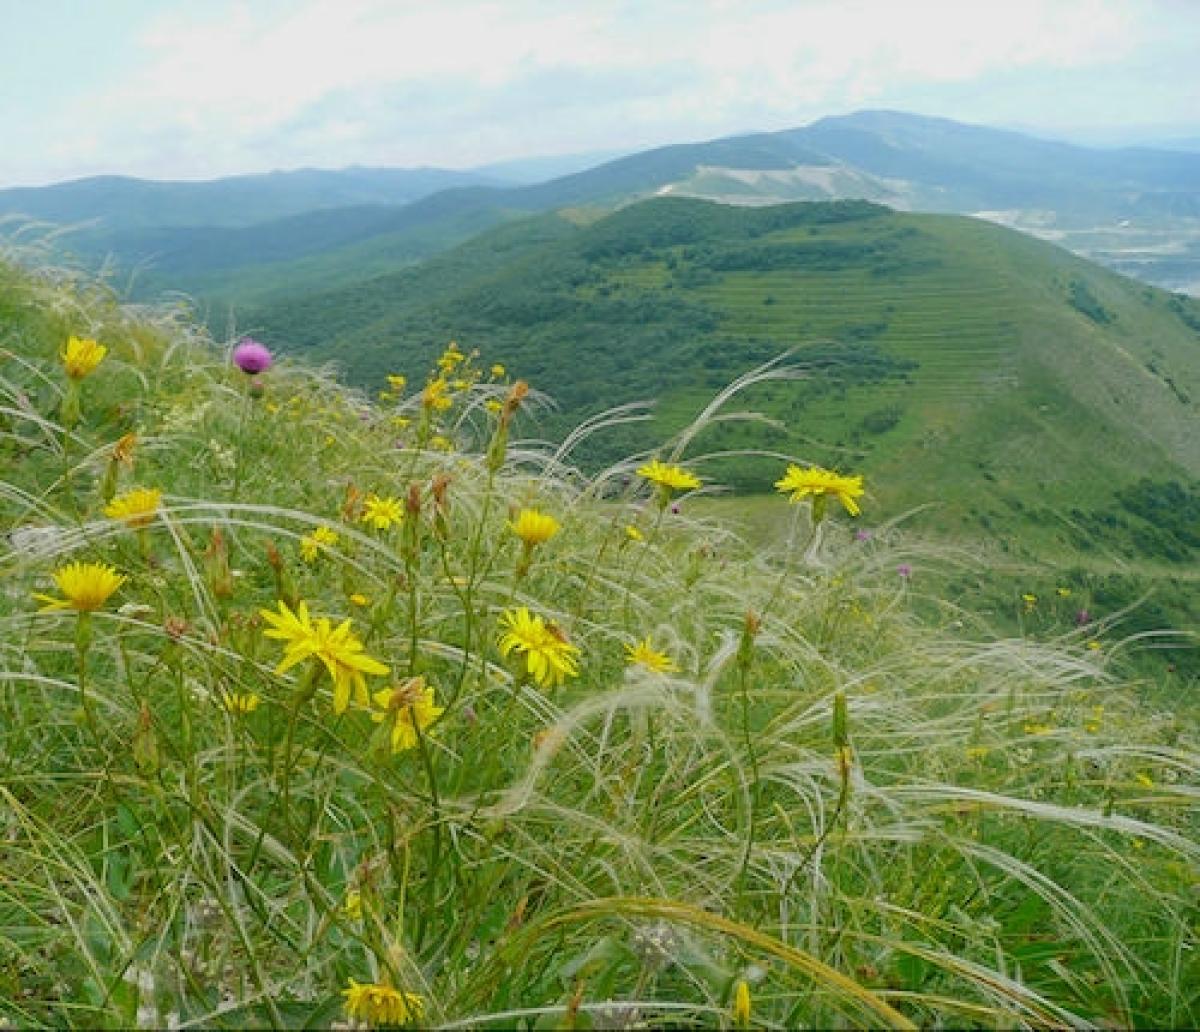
{"x": 1001, "y": 390}
{"x": 1010, "y": 839}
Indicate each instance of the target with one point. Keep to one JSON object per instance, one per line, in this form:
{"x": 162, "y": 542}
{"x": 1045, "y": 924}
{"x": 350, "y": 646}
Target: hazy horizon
{"x": 190, "y": 91}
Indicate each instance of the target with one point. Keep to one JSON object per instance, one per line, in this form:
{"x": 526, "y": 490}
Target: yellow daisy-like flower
{"x": 668, "y": 476}
{"x": 436, "y": 395}
{"x": 382, "y": 1005}
{"x": 338, "y": 649}
{"x": 820, "y": 484}
{"x": 86, "y": 587}
{"x": 135, "y": 508}
{"x": 311, "y": 545}
{"x": 439, "y": 443}
{"x": 397, "y": 383}
{"x": 359, "y": 599}
{"x": 450, "y": 358}
{"x": 643, "y": 654}
{"x": 549, "y": 657}
{"x": 533, "y": 527}
{"x": 498, "y": 371}
{"x": 81, "y": 356}
{"x": 634, "y": 534}
{"x": 494, "y": 406}
{"x": 411, "y": 708}
{"x": 240, "y": 704}
{"x": 382, "y": 511}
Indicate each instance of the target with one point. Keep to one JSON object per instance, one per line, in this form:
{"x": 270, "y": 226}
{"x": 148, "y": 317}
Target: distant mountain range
{"x": 250, "y": 237}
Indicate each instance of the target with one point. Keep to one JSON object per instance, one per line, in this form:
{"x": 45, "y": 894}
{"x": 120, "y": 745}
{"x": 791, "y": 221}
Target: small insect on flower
{"x": 668, "y": 476}
{"x": 81, "y": 355}
{"x": 534, "y": 527}
{"x": 549, "y": 657}
{"x": 252, "y": 357}
{"x": 643, "y": 654}
{"x": 411, "y": 709}
{"x": 819, "y": 484}
{"x": 136, "y": 508}
{"x": 312, "y": 545}
{"x": 382, "y": 1005}
{"x": 381, "y": 511}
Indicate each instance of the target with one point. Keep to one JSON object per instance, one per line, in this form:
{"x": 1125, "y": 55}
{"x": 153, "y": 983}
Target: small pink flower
{"x": 904, "y": 569}
{"x": 1083, "y": 618}
{"x": 862, "y": 535}
{"x": 251, "y": 357}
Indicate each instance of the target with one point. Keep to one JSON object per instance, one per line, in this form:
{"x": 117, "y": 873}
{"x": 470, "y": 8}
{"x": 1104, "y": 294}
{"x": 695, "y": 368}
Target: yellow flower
{"x": 411, "y": 709}
{"x": 1063, "y": 592}
{"x": 81, "y": 356}
{"x": 240, "y": 703}
{"x": 1094, "y": 646}
{"x": 337, "y": 649}
{"x": 820, "y": 484}
{"x": 136, "y": 508}
{"x": 397, "y": 383}
{"x": 533, "y": 527}
{"x": 1033, "y": 727}
{"x": 644, "y": 655}
{"x": 1144, "y": 779}
{"x": 382, "y": 511}
{"x": 634, "y": 534}
{"x": 667, "y": 476}
{"x": 359, "y": 599}
{"x": 382, "y": 1005}
{"x": 439, "y": 443}
{"x": 436, "y": 395}
{"x": 401, "y": 422}
{"x": 450, "y": 358}
{"x": 494, "y": 406}
{"x": 498, "y": 371}
{"x": 352, "y": 905}
{"x": 549, "y": 657}
{"x": 1029, "y": 600}
{"x": 311, "y": 545}
{"x": 741, "y": 1004}
{"x": 87, "y": 586}
{"x": 977, "y": 752}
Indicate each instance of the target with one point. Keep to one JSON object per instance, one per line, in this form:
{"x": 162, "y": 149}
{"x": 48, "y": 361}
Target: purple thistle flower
{"x": 1083, "y": 618}
{"x": 904, "y": 569}
{"x": 251, "y": 357}
{"x": 675, "y": 508}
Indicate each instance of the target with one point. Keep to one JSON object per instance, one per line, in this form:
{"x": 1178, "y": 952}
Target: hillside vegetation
{"x": 609, "y": 765}
{"x": 244, "y": 239}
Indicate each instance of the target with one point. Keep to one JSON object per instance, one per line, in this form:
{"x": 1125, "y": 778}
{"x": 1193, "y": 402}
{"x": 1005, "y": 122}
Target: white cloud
{"x": 216, "y": 87}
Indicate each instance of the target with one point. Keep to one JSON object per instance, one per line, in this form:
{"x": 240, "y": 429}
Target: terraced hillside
{"x": 936, "y": 350}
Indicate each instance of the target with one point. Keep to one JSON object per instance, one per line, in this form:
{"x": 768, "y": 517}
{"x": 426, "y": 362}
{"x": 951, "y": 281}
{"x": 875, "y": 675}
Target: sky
{"x": 194, "y": 89}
